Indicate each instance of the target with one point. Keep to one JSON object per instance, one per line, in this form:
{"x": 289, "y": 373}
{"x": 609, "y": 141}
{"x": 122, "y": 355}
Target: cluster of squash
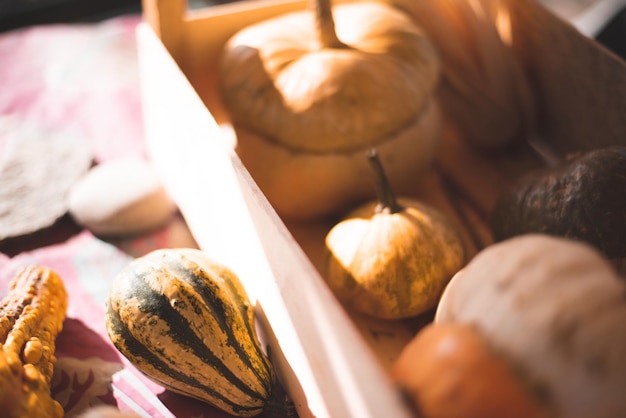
{"x": 392, "y": 258}
{"x": 531, "y": 327}
{"x": 396, "y": 258}
{"x": 320, "y": 100}
{"x": 307, "y": 100}
{"x": 309, "y": 94}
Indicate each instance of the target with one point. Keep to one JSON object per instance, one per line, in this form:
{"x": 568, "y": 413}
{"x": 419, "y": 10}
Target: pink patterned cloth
{"x": 81, "y": 78}
{"x": 84, "y": 79}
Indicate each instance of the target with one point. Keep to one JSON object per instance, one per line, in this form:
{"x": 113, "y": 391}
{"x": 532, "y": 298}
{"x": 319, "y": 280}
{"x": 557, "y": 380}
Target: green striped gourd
{"x": 186, "y": 322}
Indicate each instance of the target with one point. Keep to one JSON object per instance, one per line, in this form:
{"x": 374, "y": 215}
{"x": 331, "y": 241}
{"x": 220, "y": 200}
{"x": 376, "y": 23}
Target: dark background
{"x": 614, "y": 34}
{"x": 19, "y": 13}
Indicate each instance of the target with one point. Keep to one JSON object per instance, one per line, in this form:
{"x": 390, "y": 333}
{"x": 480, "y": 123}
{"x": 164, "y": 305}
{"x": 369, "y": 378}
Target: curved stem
{"x": 280, "y": 405}
{"x": 387, "y": 201}
{"x": 325, "y": 24}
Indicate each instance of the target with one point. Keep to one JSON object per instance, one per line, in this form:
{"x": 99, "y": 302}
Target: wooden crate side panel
{"x": 166, "y": 19}
{"x": 579, "y": 86}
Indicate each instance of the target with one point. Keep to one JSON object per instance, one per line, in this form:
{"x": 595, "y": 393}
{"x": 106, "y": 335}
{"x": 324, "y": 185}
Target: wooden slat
{"x": 166, "y": 17}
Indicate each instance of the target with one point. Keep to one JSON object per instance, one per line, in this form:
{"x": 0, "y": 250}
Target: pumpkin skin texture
{"x": 391, "y": 258}
{"x": 448, "y": 371}
{"x": 312, "y": 110}
{"x": 185, "y": 322}
{"x": 392, "y": 265}
{"x": 555, "y": 308}
{"x": 583, "y": 198}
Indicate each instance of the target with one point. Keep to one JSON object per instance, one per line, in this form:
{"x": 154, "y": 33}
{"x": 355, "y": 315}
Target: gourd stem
{"x": 387, "y": 201}
{"x": 325, "y": 24}
{"x": 279, "y": 405}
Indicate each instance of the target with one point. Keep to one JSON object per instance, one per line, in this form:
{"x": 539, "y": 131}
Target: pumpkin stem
{"x": 387, "y": 201}
{"x": 325, "y": 24}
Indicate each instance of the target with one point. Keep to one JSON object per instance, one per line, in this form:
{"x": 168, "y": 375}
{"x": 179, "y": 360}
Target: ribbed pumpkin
{"x": 185, "y": 321}
{"x": 392, "y": 258}
{"x": 309, "y": 92}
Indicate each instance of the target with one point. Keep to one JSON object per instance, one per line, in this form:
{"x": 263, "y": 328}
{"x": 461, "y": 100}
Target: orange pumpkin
{"x": 447, "y": 370}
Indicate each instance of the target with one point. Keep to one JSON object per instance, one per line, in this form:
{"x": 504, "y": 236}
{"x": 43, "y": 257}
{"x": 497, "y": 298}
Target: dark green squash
{"x": 185, "y": 322}
{"x": 582, "y": 199}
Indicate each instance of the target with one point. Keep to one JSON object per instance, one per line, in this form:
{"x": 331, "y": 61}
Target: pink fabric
{"x": 84, "y": 79}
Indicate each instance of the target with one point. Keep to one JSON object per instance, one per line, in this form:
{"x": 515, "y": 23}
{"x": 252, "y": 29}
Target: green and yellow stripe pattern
{"x": 186, "y": 322}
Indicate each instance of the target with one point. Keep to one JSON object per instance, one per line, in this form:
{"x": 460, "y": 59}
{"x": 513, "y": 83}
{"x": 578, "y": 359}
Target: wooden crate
{"x": 334, "y": 363}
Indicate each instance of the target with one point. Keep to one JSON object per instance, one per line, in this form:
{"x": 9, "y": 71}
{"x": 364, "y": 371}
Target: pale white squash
{"x": 557, "y": 310}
